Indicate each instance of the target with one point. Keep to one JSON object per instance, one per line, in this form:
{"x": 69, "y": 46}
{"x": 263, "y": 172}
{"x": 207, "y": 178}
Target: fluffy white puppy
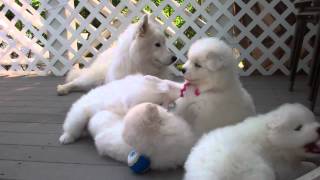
{"x": 266, "y": 147}
{"x": 141, "y": 48}
{"x": 213, "y": 95}
{"x": 116, "y": 98}
{"x": 160, "y": 135}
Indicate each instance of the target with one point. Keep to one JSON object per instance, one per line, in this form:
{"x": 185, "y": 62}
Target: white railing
{"x": 53, "y": 35}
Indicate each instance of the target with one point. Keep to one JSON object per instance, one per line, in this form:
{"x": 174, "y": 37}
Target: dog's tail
{"x": 74, "y": 73}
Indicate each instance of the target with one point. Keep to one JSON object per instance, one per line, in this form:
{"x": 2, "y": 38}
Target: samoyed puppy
{"x": 160, "y": 135}
{"x": 212, "y": 96}
{"x": 141, "y": 48}
{"x": 115, "y": 99}
{"x": 265, "y": 147}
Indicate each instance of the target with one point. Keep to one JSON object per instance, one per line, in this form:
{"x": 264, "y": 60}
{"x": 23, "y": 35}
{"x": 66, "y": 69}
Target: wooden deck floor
{"x": 31, "y": 115}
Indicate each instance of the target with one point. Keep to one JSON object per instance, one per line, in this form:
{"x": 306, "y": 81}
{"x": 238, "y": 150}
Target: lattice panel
{"x": 56, "y": 34}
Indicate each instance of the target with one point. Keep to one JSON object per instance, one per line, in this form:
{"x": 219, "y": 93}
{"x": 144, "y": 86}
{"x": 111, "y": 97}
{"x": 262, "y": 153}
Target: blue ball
{"x": 138, "y": 163}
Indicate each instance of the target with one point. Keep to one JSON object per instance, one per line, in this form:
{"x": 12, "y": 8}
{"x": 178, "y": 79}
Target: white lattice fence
{"x": 52, "y": 36}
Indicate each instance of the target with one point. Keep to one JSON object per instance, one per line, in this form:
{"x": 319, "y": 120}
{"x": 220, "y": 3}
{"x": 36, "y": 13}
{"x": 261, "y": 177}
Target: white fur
{"x": 222, "y": 99}
{"x": 103, "y": 108}
{"x": 134, "y": 52}
{"x": 153, "y": 131}
{"x": 265, "y": 147}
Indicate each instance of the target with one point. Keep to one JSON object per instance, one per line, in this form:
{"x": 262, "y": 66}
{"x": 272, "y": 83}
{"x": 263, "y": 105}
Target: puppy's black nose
{"x": 183, "y": 70}
{"x": 173, "y": 59}
{"x": 318, "y": 130}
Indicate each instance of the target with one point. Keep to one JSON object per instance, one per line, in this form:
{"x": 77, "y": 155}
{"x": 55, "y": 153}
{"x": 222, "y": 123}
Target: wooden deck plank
{"x": 86, "y": 154}
{"x": 53, "y": 171}
{"x": 32, "y": 118}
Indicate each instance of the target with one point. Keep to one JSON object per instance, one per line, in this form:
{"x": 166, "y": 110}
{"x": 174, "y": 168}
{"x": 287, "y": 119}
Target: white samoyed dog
{"x": 265, "y": 147}
{"x": 160, "y": 135}
{"x": 141, "y": 48}
{"x": 212, "y": 96}
{"x": 114, "y": 100}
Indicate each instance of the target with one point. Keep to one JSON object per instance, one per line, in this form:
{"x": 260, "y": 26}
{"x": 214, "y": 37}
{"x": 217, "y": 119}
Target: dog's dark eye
{"x": 158, "y": 44}
{"x": 197, "y": 65}
{"x": 298, "y": 128}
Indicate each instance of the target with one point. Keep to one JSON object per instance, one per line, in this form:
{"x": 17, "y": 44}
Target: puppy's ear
{"x": 151, "y": 18}
{"x": 143, "y": 26}
{"x": 214, "y": 62}
{"x": 276, "y": 122}
{"x": 152, "y": 116}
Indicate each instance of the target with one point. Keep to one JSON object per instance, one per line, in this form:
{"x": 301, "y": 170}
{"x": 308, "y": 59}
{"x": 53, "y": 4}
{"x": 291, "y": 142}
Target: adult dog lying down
{"x": 141, "y": 48}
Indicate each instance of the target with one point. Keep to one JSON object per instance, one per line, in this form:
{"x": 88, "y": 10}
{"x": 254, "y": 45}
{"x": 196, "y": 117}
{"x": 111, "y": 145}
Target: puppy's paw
{"x": 66, "y": 138}
{"x": 61, "y": 90}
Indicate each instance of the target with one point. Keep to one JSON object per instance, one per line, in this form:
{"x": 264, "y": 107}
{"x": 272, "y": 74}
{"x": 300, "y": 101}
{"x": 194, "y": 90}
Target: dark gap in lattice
{"x": 147, "y": 9}
{"x": 95, "y": 22}
{"x": 211, "y": 9}
{"x": 246, "y": 1}
{"x": 211, "y": 31}
{"x": 6, "y": 66}
{"x": 245, "y": 20}
{"x": 200, "y": 21}
{"x": 18, "y": 2}
{"x": 304, "y": 53}
{"x": 14, "y": 55}
{"x": 257, "y": 8}
{"x": 268, "y": 42}
{"x": 234, "y": 9}
{"x": 245, "y": 42}
{"x": 3, "y": 45}
{"x": 281, "y": 7}
{"x": 167, "y": 11}
{"x": 87, "y": 33}
{"x": 84, "y": 12}
{"x": 222, "y": 20}
{"x": 312, "y": 40}
{"x": 279, "y": 53}
{"x": 179, "y": 44}
{"x": 267, "y": 64}
{"x": 268, "y": 19}
{"x": 19, "y": 25}
{"x": 9, "y": 14}
{"x": 256, "y": 53}
{"x": 1, "y": 7}
{"x": 178, "y": 64}
{"x": 280, "y": 30}
{"x": 125, "y": 11}
{"x": 257, "y": 31}
{"x": 189, "y": 8}
{"x": 291, "y": 19}
{"x": 29, "y": 34}
{"x": 289, "y": 41}
{"x": 246, "y": 64}
{"x": 234, "y": 31}
{"x": 179, "y": 21}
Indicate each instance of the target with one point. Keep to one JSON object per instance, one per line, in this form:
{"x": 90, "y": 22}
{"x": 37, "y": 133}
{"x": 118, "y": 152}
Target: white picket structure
{"x": 260, "y": 30}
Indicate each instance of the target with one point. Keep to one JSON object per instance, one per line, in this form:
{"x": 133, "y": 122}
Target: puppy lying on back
{"x": 271, "y": 146}
{"x": 116, "y": 98}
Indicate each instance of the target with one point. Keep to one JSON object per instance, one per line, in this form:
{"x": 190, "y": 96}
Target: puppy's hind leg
{"x": 84, "y": 82}
{"x": 76, "y": 121}
{"x": 106, "y": 128}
